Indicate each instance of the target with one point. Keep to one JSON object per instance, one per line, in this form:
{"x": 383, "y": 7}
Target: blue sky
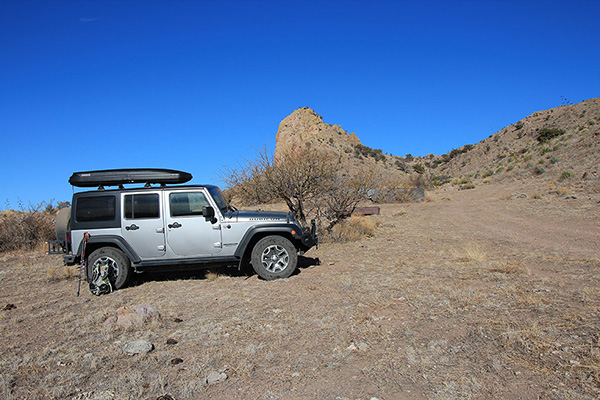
{"x": 195, "y": 85}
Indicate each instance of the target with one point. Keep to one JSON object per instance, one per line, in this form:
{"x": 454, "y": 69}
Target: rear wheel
{"x": 119, "y": 266}
{"x": 274, "y": 257}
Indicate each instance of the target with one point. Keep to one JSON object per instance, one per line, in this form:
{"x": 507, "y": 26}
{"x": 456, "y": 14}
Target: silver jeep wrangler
{"x": 125, "y": 230}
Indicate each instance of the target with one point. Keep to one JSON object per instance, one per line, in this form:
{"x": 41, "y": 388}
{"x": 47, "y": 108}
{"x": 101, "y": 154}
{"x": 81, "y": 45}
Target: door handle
{"x": 132, "y": 227}
{"x": 175, "y": 225}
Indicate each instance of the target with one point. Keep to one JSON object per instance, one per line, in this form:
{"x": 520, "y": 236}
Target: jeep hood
{"x": 260, "y": 216}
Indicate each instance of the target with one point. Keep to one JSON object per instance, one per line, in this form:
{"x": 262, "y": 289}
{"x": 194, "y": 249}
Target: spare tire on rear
{"x": 62, "y": 224}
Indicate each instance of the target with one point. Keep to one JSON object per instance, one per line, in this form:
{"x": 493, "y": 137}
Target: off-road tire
{"x": 274, "y": 257}
{"x": 120, "y": 265}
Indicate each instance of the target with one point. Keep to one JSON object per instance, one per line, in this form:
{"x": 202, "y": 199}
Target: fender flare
{"x": 114, "y": 241}
{"x": 285, "y": 229}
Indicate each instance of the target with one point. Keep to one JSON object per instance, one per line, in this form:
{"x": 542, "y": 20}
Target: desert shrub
{"x": 365, "y": 151}
{"x": 546, "y": 134}
{"x": 409, "y": 157}
{"x": 519, "y": 125}
{"x": 436, "y": 163}
{"x": 539, "y": 170}
{"x": 487, "y": 180}
{"x": 461, "y": 181}
{"x": 565, "y": 175}
{"x": 544, "y": 150}
{"x": 419, "y": 181}
{"x": 592, "y": 122}
{"x": 26, "y": 230}
{"x": 553, "y": 160}
{"x": 352, "y": 229}
{"x": 419, "y": 168}
{"x": 402, "y": 166}
{"x": 440, "y": 180}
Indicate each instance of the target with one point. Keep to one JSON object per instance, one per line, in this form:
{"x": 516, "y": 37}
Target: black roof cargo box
{"x": 117, "y": 177}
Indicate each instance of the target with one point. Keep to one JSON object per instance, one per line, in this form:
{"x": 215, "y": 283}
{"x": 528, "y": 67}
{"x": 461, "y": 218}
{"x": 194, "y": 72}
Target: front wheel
{"x": 274, "y": 257}
{"x": 119, "y": 266}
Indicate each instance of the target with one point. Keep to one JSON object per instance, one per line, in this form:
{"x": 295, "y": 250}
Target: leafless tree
{"x": 308, "y": 180}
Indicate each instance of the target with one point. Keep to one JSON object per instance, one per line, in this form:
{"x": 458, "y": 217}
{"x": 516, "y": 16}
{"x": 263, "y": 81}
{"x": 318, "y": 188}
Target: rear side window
{"x": 142, "y": 206}
{"x": 183, "y": 204}
{"x": 96, "y": 208}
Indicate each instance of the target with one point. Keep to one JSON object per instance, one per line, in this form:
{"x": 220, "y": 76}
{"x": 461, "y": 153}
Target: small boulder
{"x": 131, "y": 316}
{"x": 127, "y": 320}
{"x": 215, "y": 377}
{"x": 138, "y": 347}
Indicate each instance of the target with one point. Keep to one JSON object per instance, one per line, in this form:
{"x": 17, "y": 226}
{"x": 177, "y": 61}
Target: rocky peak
{"x": 304, "y": 126}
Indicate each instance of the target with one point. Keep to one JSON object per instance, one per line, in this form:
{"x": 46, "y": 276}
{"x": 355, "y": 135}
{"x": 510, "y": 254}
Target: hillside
{"x": 556, "y": 145}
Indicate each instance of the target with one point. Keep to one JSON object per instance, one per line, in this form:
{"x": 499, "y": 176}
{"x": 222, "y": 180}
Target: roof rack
{"x": 120, "y": 177}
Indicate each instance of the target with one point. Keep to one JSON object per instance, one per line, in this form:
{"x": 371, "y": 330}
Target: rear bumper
{"x": 60, "y": 247}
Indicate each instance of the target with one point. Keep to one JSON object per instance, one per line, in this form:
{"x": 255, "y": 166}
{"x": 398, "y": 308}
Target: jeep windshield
{"x": 215, "y": 192}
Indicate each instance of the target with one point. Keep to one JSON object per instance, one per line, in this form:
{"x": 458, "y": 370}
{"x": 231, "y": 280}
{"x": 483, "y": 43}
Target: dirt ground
{"x": 477, "y": 294}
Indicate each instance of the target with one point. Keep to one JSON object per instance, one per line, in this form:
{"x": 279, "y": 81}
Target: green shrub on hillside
{"x": 419, "y": 168}
{"x": 440, "y": 180}
{"x": 546, "y": 134}
{"x": 362, "y": 150}
{"x": 565, "y": 175}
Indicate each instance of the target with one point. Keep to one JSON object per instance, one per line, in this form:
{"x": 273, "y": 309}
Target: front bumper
{"x": 308, "y": 236}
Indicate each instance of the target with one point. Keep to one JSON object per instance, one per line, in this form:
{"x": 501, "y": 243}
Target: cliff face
{"x": 304, "y": 127}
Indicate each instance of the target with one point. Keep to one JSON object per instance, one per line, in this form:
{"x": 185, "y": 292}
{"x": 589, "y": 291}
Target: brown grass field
{"x": 477, "y": 294}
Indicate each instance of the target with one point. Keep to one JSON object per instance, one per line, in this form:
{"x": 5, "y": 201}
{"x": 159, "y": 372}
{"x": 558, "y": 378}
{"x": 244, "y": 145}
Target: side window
{"x": 142, "y": 206}
{"x": 95, "y": 208}
{"x": 184, "y": 204}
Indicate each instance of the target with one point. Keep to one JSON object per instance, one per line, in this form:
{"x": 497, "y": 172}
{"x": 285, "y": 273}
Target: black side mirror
{"x": 209, "y": 214}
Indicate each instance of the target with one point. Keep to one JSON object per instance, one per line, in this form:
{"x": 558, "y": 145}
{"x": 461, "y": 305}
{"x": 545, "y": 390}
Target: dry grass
{"x": 212, "y": 274}
{"x": 61, "y": 273}
{"x": 393, "y": 315}
{"x": 353, "y": 229}
{"x": 469, "y": 252}
{"x": 563, "y": 191}
{"x": 400, "y": 212}
{"x": 510, "y": 268}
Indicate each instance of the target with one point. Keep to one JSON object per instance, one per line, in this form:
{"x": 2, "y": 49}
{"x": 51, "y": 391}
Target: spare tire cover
{"x": 63, "y": 219}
